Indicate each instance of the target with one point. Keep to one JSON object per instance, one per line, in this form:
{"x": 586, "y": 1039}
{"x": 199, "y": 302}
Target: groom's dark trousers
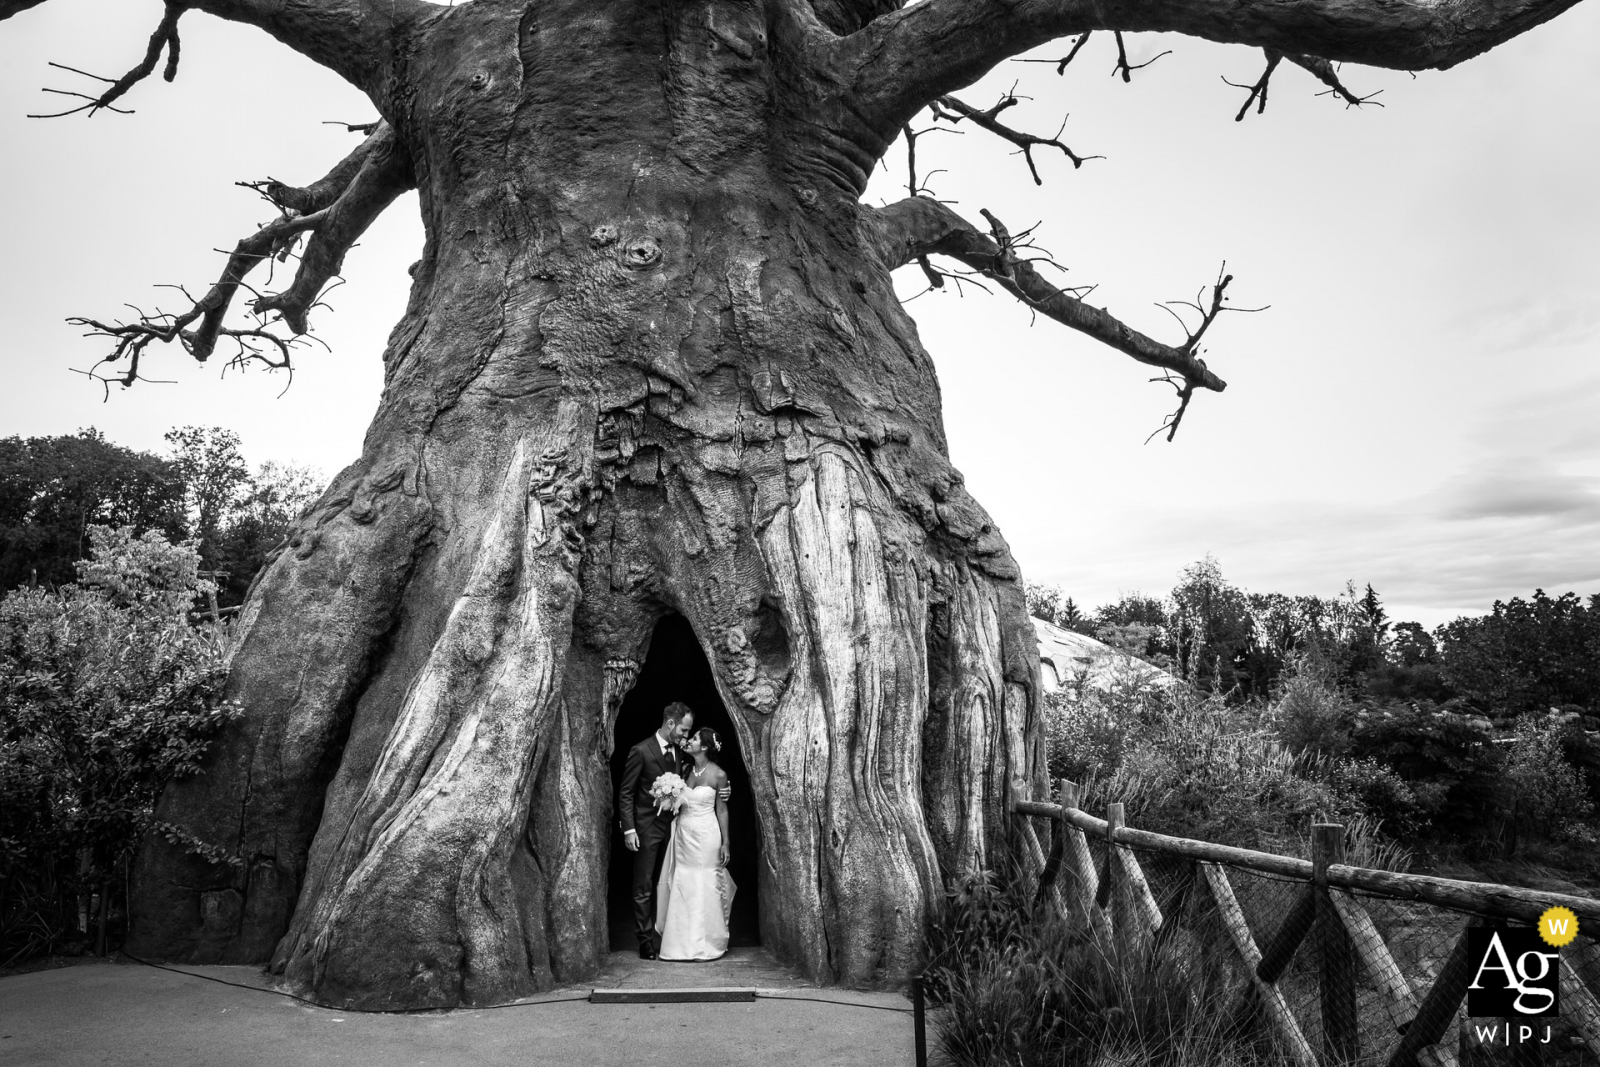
{"x": 637, "y": 811}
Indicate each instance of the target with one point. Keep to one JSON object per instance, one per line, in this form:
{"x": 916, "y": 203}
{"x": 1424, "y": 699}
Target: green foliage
{"x": 1140, "y": 626}
{"x": 1187, "y": 764}
{"x": 260, "y": 518}
{"x": 52, "y": 489}
{"x": 238, "y": 517}
{"x": 1021, "y": 989}
{"x": 1049, "y": 603}
{"x": 106, "y": 693}
{"x": 214, "y": 476}
{"x": 1543, "y": 795}
{"x": 1084, "y": 734}
{"x": 1413, "y": 646}
{"x": 1378, "y": 794}
{"x": 1526, "y": 655}
{"x": 1447, "y": 759}
{"x": 1311, "y": 715}
{"x": 1211, "y": 627}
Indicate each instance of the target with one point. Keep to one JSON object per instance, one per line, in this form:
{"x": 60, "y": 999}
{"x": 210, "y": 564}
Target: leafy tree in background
{"x": 237, "y": 516}
{"x": 1049, "y": 603}
{"x": 215, "y": 476}
{"x": 1410, "y": 669}
{"x": 1414, "y": 646}
{"x": 53, "y": 489}
{"x": 1370, "y": 640}
{"x": 1139, "y": 625}
{"x": 106, "y": 693}
{"x": 1526, "y": 655}
{"x": 1211, "y": 626}
{"x": 272, "y": 498}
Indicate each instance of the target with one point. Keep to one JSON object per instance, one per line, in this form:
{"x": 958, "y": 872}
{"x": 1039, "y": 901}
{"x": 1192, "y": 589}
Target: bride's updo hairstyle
{"x": 710, "y": 741}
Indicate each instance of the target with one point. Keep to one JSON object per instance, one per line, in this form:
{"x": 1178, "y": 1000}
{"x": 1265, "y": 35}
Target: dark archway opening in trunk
{"x": 676, "y": 669}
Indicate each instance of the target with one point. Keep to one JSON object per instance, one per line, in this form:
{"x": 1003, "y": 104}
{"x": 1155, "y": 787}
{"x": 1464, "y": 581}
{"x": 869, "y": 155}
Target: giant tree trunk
{"x": 652, "y": 363}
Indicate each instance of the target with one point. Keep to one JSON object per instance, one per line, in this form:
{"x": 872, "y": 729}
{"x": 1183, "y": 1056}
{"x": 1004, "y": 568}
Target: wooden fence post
{"x": 1134, "y": 914}
{"x": 1438, "y": 1008}
{"x": 1234, "y": 922}
{"x": 1279, "y": 949}
{"x": 1341, "y": 1024}
{"x": 1049, "y": 885}
{"x": 1124, "y": 922}
{"x": 1086, "y": 878}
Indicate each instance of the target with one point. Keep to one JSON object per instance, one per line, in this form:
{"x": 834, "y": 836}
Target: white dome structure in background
{"x": 1070, "y": 660}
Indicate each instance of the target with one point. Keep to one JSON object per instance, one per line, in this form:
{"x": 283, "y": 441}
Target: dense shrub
{"x": 1189, "y": 765}
{"x": 1447, "y": 759}
{"x": 1084, "y": 735}
{"x": 1312, "y": 716}
{"x": 1375, "y": 791}
{"x": 1541, "y": 794}
{"x": 106, "y": 692}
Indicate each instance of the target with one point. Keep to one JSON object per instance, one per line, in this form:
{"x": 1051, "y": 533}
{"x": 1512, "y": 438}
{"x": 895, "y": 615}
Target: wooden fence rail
{"x": 1116, "y": 904}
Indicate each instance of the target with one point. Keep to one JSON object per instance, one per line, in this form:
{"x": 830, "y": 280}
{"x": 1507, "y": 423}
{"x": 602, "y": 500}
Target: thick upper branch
{"x": 917, "y": 227}
{"x": 354, "y": 38}
{"x": 335, "y": 211}
{"x": 902, "y": 61}
{"x": 383, "y": 174}
{"x": 844, "y": 16}
{"x": 13, "y": 7}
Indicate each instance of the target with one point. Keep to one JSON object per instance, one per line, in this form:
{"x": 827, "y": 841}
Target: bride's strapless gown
{"x": 694, "y": 894}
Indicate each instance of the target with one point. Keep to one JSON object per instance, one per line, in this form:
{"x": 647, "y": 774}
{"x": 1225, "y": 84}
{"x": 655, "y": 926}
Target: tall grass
{"x": 1021, "y": 988}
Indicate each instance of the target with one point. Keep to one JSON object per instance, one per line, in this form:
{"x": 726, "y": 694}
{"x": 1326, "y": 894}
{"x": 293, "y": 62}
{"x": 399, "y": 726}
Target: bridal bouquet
{"x": 668, "y": 792}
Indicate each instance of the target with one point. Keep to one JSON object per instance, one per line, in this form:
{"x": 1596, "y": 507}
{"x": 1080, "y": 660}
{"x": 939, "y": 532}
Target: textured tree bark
{"x": 652, "y": 362}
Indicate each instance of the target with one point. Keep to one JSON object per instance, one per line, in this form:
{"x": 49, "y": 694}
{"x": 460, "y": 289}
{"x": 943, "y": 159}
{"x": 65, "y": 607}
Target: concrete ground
{"x": 126, "y": 1013}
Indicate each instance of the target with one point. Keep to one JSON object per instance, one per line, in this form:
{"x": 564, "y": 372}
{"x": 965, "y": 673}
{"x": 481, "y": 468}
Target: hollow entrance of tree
{"x": 676, "y": 669}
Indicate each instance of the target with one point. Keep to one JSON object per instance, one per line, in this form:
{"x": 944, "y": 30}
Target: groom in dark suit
{"x": 644, "y": 830}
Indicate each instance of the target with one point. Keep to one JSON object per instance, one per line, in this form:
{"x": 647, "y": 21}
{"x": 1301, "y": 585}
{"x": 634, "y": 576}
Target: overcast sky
{"x": 1417, "y": 409}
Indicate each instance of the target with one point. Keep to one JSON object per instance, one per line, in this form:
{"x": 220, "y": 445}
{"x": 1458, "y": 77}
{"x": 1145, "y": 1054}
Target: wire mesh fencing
{"x": 1329, "y": 972}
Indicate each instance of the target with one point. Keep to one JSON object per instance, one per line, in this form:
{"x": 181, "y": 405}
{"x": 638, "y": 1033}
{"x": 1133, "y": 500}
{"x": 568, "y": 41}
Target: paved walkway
{"x": 125, "y": 1013}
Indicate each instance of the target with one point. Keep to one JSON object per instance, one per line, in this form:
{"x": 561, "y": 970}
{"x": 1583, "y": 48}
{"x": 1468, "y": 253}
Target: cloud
{"x": 1547, "y": 321}
{"x": 1428, "y": 562}
{"x": 1527, "y": 489}
{"x": 1551, "y": 422}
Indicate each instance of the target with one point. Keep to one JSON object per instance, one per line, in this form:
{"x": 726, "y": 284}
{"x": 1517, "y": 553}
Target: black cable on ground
{"x": 837, "y": 1003}
{"x": 358, "y": 1011}
{"x": 489, "y": 1007}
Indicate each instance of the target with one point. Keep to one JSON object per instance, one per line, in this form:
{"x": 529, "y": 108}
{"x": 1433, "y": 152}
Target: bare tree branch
{"x": 1066, "y": 60}
{"x": 1124, "y": 68}
{"x": 898, "y": 63}
{"x": 987, "y": 120}
{"x": 1325, "y": 73}
{"x": 354, "y": 38}
{"x": 1321, "y": 68}
{"x": 335, "y": 211}
{"x": 1258, "y": 91}
{"x": 912, "y": 229}
{"x": 165, "y": 38}
{"x": 917, "y": 185}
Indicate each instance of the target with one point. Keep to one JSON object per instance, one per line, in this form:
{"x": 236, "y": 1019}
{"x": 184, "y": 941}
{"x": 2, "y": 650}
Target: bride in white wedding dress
{"x": 695, "y": 893}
